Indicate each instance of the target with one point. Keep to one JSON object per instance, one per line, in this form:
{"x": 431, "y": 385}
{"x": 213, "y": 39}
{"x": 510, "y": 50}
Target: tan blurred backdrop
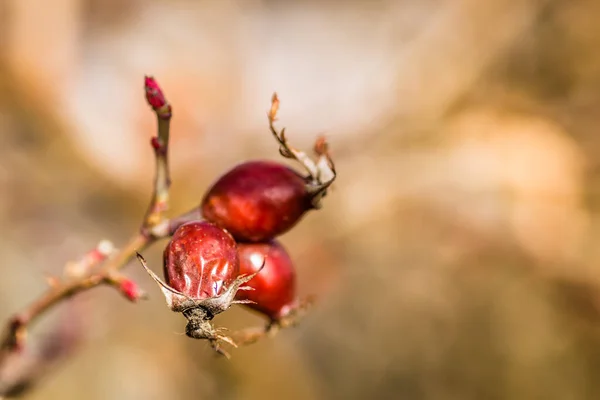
{"x": 457, "y": 256}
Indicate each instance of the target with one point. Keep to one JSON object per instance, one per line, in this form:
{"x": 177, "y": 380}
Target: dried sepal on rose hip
{"x": 274, "y": 295}
{"x": 201, "y": 268}
{"x": 259, "y": 200}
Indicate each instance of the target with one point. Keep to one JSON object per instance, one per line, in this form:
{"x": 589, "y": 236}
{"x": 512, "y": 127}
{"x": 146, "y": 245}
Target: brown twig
{"x": 101, "y": 266}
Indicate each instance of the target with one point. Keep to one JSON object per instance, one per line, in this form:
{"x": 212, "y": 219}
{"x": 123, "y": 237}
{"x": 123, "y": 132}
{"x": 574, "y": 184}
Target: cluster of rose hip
{"x": 232, "y": 255}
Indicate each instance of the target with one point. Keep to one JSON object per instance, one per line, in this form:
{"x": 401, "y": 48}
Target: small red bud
{"x": 131, "y": 290}
{"x": 155, "y": 143}
{"x": 154, "y": 94}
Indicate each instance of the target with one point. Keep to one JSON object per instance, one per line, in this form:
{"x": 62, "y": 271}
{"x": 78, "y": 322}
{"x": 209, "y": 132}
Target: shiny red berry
{"x": 200, "y": 260}
{"x": 274, "y": 286}
{"x": 257, "y": 200}
{"x": 201, "y": 268}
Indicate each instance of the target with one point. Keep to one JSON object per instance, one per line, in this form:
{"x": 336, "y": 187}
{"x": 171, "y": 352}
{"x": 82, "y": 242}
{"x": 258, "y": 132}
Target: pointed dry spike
{"x": 221, "y": 329}
{"x": 274, "y": 107}
{"x": 214, "y": 342}
{"x": 247, "y": 278}
{"x": 227, "y": 339}
{"x": 243, "y": 302}
{"x": 176, "y": 301}
{"x": 220, "y": 351}
{"x": 287, "y": 151}
{"x": 250, "y": 335}
{"x": 216, "y": 305}
{"x": 240, "y": 280}
{"x": 284, "y": 149}
{"x": 322, "y": 173}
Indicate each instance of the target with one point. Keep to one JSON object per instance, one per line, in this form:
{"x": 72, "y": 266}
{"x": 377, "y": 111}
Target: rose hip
{"x": 201, "y": 269}
{"x": 200, "y": 260}
{"x": 253, "y": 203}
{"x": 259, "y": 200}
{"x": 274, "y": 289}
{"x": 274, "y": 293}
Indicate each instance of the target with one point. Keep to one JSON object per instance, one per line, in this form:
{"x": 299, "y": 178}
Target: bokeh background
{"x": 456, "y": 258}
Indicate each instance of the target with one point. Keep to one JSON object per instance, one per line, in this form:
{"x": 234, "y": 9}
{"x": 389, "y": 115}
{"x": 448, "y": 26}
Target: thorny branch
{"x": 102, "y": 265}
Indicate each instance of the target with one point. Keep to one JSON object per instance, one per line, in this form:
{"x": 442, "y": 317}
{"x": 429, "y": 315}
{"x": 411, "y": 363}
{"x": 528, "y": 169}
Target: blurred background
{"x": 456, "y": 257}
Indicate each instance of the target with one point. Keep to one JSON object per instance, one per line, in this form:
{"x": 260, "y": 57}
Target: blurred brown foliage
{"x": 455, "y": 258}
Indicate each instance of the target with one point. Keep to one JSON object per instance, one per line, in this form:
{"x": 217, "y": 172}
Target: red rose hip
{"x": 200, "y": 260}
{"x": 274, "y": 289}
{"x": 201, "y": 269}
{"x": 274, "y": 293}
{"x": 259, "y": 200}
